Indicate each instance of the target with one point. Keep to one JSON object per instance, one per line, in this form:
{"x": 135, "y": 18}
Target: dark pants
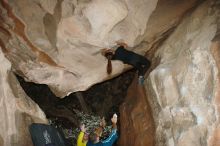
{"x": 139, "y": 62}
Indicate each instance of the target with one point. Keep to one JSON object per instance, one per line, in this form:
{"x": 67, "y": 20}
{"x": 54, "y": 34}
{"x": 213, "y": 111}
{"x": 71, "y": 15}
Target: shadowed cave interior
{"x": 101, "y": 100}
{"x": 58, "y": 44}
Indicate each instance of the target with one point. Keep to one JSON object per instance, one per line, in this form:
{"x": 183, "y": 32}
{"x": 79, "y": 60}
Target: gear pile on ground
{"x": 91, "y": 122}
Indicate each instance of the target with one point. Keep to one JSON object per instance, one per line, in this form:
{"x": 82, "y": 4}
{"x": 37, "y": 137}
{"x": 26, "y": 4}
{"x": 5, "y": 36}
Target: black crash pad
{"x": 46, "y": 135}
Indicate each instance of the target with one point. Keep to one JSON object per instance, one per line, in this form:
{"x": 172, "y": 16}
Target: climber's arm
{"x": 113, "y": 136}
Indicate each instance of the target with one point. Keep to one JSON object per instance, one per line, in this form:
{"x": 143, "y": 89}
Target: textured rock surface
{"x": 18, "y": 111}
{"x": 184, "y": 88}
{"x": 164, "y": 20}
{"x": 137, "y": 125}
{"x": 60, "y": 40}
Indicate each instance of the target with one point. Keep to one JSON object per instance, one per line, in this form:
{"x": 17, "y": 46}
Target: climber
{"x": 139, "y": 62}
{"x": 94, "y": 137}
{"x": 82, "y": 137}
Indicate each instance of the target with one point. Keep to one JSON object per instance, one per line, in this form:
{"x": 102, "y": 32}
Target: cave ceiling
{"x": 58, "y": 42}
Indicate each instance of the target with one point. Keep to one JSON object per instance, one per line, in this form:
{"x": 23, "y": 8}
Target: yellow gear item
{"x": 80, "y": 139}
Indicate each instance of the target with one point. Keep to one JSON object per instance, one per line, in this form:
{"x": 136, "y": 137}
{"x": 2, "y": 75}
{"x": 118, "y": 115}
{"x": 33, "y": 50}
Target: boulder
{"x": 18, "y": 111}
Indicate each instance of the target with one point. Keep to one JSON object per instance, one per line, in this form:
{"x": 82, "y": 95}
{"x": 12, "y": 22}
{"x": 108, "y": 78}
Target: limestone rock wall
{"x": 184, "y": 89}
{"x": 137, "y": 124}
{"x": 58, "y": 42}
{"x": 164, "y": 20}
{"x": 18, "y": 111}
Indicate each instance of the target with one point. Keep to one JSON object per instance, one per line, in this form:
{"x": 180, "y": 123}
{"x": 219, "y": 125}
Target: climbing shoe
{"x": 141, "y": 80}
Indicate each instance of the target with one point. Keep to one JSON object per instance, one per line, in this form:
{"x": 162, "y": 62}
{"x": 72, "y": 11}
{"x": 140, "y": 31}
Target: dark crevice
{"x": 48, "y": 102}
{"x": 102, "y": 99}
{"x": 105, "y": 98}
